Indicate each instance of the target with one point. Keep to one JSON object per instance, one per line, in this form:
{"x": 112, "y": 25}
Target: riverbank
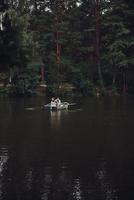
{"x": 64, "y": 90}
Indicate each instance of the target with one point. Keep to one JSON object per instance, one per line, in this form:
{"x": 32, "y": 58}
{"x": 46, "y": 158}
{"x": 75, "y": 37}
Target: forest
{"x": 84, "y": 46}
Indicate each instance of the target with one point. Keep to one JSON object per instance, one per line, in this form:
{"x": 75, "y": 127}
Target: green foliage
{"x": 26, "y": 81}
{"x": 16, "y": 40}
{"x": 4, "y": 77}
{"x": 117, "y": 41}
{"x": 62, "y": 35}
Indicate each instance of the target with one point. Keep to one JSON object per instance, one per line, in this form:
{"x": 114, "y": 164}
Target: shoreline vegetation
{"x": 65, "y": 89}
{"x": 67, "y": 47}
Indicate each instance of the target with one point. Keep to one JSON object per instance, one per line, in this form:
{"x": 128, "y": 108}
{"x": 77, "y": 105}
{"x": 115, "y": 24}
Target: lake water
{"x": 86, "y": 153}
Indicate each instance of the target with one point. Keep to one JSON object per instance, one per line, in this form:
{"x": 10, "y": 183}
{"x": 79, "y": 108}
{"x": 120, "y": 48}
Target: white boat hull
{"x": 62, "y": 106}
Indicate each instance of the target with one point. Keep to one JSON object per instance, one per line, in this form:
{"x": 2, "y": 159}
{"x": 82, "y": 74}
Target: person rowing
{"x": 53, "y": 103}
{"x": 57, "y": 102}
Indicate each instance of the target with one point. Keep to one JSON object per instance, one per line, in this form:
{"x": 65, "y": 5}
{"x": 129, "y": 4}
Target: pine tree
{"x": 16, "y": 40}
{"x": 116, "y": 36}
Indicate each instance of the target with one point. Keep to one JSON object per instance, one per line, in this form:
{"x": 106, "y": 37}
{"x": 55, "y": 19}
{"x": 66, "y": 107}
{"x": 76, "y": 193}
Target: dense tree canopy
{"x": 86, "y": 43}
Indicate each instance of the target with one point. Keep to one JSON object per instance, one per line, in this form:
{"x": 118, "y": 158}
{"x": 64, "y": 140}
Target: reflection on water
{"x": 106, "y": 187}
{"x": 89, "y": 156}
{"x": 62, "y": 184}
{"x": 47, "y": 181}
{"x": 58, "y": 182}
{"x": 3, "y": 158}
{"x": 3, "y": 162}
{"x": 29, "y": 180}
{"x": 55, "y": 118}
{"x": 77, "y": 189}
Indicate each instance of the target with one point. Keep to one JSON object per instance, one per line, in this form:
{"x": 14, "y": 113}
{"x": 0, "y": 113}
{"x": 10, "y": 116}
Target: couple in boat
{"x": 55, "y": 102}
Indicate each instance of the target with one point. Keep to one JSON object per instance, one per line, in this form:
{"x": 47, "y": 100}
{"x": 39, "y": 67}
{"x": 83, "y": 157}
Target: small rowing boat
{"x": 61, "y": 106}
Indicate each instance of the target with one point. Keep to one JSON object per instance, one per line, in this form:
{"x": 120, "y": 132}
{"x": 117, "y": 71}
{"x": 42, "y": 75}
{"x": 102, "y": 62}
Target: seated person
{"x": 53, "y": 103}
{"x": 57, "y": 101}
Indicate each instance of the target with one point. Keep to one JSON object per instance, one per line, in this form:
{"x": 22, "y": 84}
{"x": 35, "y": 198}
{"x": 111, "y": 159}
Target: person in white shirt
{"x": 53, "y": 103}
{"x": 57, "y": 101}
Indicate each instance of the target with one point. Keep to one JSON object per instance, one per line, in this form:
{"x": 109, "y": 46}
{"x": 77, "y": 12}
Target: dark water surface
{"x": 86, "y": 153}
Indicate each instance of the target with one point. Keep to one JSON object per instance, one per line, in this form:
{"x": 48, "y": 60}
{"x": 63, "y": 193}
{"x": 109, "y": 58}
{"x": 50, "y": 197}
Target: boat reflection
{"x": 55, "y": 118}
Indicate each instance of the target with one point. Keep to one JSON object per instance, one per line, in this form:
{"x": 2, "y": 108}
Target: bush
{"x": 87, "y": 88}
{"x": 26, "y": 81}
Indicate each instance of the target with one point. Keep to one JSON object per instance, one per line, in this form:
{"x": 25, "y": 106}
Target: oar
{"x": 72, "y": 104}
{"x": 33, "y": 108}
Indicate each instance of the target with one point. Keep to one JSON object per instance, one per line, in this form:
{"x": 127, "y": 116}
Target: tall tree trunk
{"x": 58, "y": 47}
{"x": 97, "y": 45}
{"x": 114, "y": 72}
{"x": 42, "y": 73}
{"x": 114, "y": 79}
{"x": 124, "y": 82}
{"x": 10, "y": 75}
